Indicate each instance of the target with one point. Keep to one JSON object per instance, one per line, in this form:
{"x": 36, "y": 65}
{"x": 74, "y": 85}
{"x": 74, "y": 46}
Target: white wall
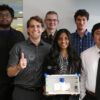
{"x": 65, "y": 9}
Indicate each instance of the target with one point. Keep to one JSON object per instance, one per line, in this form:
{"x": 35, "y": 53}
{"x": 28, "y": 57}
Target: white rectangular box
{"x": 62, "y": 84}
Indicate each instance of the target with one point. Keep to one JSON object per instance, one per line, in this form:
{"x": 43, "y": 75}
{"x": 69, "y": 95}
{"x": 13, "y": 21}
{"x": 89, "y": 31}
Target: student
{"x": 25, "y": 63}
{"x": 90, "y": 66}
{"x": 8, "y": 37}
{"x": 81, "y": 39}
{"x": 51, "y": 23}
{"x": 62, "y": 59}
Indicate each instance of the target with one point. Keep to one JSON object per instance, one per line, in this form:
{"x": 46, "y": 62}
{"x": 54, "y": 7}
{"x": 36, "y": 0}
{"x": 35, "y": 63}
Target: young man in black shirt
{"x": 8, "y": 37}
{"x": 25, "y": 63}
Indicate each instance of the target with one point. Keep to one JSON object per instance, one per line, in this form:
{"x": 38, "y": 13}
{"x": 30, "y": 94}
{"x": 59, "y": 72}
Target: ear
{"x": 28, "y": 33}
{"x": 43, "y": 29}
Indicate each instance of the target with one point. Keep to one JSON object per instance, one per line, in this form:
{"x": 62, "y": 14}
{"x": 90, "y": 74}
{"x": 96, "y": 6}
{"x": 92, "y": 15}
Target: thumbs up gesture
{"x": 23, "y": 61}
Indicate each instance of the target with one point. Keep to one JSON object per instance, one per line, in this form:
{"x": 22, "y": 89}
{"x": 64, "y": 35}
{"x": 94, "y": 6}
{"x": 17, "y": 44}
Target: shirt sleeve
{"x": 14, "y": 56}
{"x": 83, "y": 79}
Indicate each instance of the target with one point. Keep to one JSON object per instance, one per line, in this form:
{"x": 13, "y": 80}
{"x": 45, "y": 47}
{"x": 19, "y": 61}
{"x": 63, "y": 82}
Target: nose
{"x": 62, "y": 40}
{"x": 35, "y": 28}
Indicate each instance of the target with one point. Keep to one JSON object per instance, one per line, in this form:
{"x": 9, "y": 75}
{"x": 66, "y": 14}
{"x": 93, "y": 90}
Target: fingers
{"x": 23, "y": 61}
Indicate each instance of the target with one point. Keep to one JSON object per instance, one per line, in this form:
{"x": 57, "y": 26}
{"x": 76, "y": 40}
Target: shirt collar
{"x": 97, "y": 49}
{"x": 85, "y": 34}
{"x": 50, "y": 34}
{"x": 30, "y": 42}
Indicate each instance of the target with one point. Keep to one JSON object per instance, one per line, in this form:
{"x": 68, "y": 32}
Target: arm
{"x": 13, "y": 70}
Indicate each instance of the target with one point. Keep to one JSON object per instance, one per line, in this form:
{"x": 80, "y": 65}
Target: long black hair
{"x": 73, "y": 58}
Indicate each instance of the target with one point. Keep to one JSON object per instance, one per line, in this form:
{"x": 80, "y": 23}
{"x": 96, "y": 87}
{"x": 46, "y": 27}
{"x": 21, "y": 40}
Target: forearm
{"x": 13, "y": 70}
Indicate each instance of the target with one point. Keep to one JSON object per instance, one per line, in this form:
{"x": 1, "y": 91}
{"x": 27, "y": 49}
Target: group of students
{"x": 23, "y": 64}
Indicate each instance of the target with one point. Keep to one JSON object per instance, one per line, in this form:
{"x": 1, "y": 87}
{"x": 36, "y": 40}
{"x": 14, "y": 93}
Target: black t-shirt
{"x": 7, "y": 40}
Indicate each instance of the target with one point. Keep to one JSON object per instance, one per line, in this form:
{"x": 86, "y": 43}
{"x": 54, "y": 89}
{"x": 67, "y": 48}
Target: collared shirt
{"x": 29, "y": 77}
{"x": 49, "y": 39}
{"x": 90, "y": 59}
{"x": 81, "y": 43}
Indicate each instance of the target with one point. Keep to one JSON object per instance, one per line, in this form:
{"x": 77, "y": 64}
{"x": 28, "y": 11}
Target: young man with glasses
{"x": 51, "y": 23}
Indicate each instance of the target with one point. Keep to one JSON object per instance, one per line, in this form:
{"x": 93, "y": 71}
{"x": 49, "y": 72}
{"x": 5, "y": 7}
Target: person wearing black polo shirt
{"x": 25, "y": 63}
{"x": 8, "y": 37}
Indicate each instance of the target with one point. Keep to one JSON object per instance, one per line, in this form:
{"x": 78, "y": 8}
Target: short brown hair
{"x": 37, "y": 18}
{"x": 51, "y": 12}
{"x": 81, "y": 12}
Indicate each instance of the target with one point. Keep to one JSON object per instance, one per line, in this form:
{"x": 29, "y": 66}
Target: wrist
{"x": 18, "y": 67}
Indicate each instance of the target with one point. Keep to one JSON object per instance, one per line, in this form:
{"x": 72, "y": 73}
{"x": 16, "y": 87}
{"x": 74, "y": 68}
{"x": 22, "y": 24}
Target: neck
{"x": 1, "y": 28}
{"x": 36, "y": 41}
{"x": 81, "y": 32}
{"x": 98, "y": 46}
{"x": 64, "y": 53}
{"x": 51, "y": 32}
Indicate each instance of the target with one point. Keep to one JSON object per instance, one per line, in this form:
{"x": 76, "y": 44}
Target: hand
{"x": 23, "y": 61}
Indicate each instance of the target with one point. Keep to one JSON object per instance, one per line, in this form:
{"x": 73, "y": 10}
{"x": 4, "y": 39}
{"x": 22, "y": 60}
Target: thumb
{"x": 22, "y": 55}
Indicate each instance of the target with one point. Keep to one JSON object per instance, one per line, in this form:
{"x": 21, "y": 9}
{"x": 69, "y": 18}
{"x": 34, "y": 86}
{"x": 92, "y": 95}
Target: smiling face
{"x": 96, "y": 37}
{"x": 81, "y": 22}
{"x": 5, "y": 19}
{"x": 63, "y": 41}
{"x": 51, "y": 21}
{"x": 34, "y": 30}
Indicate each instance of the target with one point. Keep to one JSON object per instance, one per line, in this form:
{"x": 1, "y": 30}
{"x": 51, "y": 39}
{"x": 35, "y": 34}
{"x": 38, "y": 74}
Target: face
{"x": 96, "y": 37}
{"x": 5, "y": 19}
{"x": 81, "y": 23}
{"x": 34, "y": 30}
{"x": 51, "y": 21}
{"x": 63, "y": 41}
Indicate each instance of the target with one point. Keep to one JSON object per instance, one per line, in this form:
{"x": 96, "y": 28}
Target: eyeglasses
{"x": 54, "y": 20}
{"x": 5, "y": 15}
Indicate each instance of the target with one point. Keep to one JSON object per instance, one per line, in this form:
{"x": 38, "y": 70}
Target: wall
{"x": 65, "y": 9}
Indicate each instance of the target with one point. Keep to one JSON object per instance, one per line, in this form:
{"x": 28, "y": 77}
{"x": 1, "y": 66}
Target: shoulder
{"x": 88, "y": 52}
{"x": 16, "y": 33}
{"x": 20, "y": 44}
{"x": 46, "y": 45}
{"x": 44, "y": 33}
{"x": 73, "y": 35}
{"x": 88, "y": 34}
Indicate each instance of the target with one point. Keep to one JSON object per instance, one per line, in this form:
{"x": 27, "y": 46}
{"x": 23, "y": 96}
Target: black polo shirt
{"x": 30, "y": 77}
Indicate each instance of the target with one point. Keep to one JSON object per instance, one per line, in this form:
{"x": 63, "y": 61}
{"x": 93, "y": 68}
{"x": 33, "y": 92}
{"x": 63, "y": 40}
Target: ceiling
{"x": 17, "y": 5}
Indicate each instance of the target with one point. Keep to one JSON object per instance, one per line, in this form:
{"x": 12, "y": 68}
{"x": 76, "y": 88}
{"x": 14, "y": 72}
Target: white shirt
{"x": 90, "y": 59}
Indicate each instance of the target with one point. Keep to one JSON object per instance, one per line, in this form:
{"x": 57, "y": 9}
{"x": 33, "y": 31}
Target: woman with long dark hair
{"x": 62, "y": 59}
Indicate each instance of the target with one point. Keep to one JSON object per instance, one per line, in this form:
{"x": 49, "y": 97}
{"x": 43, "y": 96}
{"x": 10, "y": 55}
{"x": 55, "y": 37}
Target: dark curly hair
{"x": 81, "y": 12}
{"x": 8, "y": 8}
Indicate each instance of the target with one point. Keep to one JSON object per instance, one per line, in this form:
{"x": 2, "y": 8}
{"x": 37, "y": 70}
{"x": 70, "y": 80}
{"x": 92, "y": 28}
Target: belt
{"x": 90, "y": 93}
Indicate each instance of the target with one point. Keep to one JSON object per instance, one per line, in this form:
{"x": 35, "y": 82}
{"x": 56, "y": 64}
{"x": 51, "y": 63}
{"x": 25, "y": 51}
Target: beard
{"x": 5, "y": 25}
